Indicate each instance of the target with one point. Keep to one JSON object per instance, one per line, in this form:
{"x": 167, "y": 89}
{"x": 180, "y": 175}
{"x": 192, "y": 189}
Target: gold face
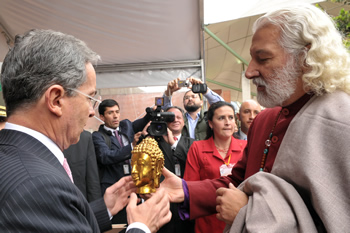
{"x": 147, "y": 162}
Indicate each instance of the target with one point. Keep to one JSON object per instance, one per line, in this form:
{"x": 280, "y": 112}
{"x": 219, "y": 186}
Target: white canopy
{"x": 150, "y": 42}
{"x": 162, "y": 36}
{"x": 229, "y": 10}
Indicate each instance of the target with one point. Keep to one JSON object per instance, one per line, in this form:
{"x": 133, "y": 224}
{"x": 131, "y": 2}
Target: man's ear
{"x": 102, "y": 117}
{"x": 54, "y": 99}
{"x": 238, "y": 116}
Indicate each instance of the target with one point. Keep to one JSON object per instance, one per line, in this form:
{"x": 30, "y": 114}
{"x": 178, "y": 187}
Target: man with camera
{"x": 195, "y": 123}
{"x": 113, "y": 143}
{"x": 174, "y": 146}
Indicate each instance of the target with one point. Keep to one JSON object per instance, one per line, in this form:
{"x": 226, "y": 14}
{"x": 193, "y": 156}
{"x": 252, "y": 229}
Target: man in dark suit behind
{"x": 113, "y": 145}
{"x": 113, "y": 154}
{"x": 81, "y": 158}
{"x": 48, "y": 81}
{"x": 175, "y": 147}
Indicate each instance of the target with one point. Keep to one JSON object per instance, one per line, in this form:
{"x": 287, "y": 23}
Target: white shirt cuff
{"x": 138, "y": 225}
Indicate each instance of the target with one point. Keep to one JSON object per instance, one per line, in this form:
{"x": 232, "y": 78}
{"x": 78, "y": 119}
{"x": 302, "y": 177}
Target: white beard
{"x": 279, "y": 87}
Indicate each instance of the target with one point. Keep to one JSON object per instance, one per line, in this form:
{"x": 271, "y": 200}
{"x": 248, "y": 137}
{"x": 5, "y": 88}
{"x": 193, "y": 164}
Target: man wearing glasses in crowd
{"x": 195, "y": 123}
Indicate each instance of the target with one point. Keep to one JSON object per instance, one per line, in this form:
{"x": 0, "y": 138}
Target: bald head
{"x": 247, "y": 112}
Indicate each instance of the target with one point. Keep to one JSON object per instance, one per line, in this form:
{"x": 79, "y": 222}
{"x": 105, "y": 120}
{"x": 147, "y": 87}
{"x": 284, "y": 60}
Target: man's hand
{"x": 173, "y": 186}
{"x": 154, "y": 213}
{"x": 144, "y": 131}
{"x": 228, "y": 203}
{"x": 136, "y": 138}
{"x": 172, "y": 87}
{"x": 169, "y": 138}
{"x": 116, "y": 196}
{"x": 194, "y": 81}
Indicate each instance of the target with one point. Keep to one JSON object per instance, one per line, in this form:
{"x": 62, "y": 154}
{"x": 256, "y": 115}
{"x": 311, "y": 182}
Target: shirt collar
{"x": 178, "y": 137}
{"x": 110, "y": 129}
{"x": 243, "y": 135}
{"x": 189, "y": 116}
{"x": 51, "y": 145}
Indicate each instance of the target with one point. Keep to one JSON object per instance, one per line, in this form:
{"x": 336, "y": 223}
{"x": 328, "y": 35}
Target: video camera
{"x": 159, "y": 119}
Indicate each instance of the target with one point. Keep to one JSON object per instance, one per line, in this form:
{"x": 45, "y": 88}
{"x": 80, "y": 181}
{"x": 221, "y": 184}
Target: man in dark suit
{"x": 175, "y": 147}
{"x": 81, "y": 158}
{"x": 113, "y": 145}
{"x": 114, "y": 142}
{"x": 48, "y": 81}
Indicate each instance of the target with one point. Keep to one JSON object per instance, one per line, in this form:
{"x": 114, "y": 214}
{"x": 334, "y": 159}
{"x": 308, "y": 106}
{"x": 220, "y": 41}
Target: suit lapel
{"x": 168, "y": 152}
{"x": 179, "y": 152}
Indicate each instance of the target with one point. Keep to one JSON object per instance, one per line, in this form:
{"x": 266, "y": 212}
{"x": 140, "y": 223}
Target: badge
{"x": 177, "y": 170}
{"x": 226, "y": 169}
{"x": 126, "y": 169}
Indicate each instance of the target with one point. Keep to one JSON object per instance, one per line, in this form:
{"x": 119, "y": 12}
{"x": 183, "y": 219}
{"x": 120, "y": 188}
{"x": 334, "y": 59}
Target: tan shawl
{"x": 308, "y": 189}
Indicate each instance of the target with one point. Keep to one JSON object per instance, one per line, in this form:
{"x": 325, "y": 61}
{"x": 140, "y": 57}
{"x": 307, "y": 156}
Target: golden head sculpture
{"x": 147, "y": 162}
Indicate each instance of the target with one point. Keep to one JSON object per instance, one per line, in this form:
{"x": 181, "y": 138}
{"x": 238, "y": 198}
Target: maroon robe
{"x": 202, "y": 194}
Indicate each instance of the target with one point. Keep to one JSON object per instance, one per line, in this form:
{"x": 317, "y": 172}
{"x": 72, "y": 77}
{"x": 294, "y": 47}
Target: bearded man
{"x": 295, "y": 172}
{"x": 195, "y": 123}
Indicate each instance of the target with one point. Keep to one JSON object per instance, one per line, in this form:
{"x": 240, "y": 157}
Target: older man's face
{"x": 273, "y": 71}
{"x": 80, "y": 109}
{"x": 177, "y": 125}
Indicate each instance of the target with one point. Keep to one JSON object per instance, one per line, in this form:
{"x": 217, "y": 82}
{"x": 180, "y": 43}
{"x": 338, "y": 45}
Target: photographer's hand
{"x": 172, "y": 87}
{"x": 195, "y": 80}
{"x": 144, "y": 131}
{"x": 136, "y": 138}
{"x": 169, "y": 138}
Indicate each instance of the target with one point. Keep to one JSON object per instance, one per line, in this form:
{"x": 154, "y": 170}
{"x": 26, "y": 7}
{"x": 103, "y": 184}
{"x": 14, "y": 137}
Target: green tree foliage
{"x": 342, "y": 22}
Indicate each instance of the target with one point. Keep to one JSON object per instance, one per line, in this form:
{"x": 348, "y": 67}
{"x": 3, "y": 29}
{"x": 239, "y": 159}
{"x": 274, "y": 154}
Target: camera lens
{"x": 159, "y": 127}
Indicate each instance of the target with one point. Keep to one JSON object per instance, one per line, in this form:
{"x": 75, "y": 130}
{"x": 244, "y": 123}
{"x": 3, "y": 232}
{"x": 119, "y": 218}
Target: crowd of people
{"x": 286, "y": 169}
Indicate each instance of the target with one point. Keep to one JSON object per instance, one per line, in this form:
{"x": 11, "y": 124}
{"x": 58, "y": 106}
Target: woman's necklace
{"x": 268, "y": 144}
{"x": 222, "y": 150}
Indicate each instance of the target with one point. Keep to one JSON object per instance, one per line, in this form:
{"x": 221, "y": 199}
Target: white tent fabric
{"x": 230, "y": 10}
{"x": 124, "y": 33}
{"x": 150, "y": 42}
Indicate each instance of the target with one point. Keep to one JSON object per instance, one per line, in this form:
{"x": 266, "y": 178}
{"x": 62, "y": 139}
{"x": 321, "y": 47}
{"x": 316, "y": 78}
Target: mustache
{"x": 259, "y": 82}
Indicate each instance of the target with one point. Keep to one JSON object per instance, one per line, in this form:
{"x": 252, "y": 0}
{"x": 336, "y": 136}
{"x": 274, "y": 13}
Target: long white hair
{"x": 310, "y": 34}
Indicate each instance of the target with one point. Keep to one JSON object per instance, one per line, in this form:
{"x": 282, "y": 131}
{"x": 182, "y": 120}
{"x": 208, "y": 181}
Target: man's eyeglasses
{"x": 187, "y": 97}
{"x": 94, "y": 101}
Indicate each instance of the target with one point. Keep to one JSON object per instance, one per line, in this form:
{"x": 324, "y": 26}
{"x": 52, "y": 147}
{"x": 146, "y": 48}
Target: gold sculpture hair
{"x": 148, "y": 147}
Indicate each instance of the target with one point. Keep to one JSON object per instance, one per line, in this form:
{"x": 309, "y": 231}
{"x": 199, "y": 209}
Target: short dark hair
{"x": 105, "y": 104}
{"x": 210, "y": 114}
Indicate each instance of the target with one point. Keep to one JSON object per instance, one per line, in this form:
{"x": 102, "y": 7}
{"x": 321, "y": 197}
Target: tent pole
{"x": 244, "y": 62}
{"x": 225, "y": 45}
{"x": 227, "y": 86}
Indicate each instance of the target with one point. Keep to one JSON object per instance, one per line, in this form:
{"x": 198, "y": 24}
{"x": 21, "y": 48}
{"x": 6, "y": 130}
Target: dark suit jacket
{"x": 176, "y": 225}
{"x": 36, "y": 194}
{"x": 81, "y": 158}
{"x": 180, "y": 153}
{"x": 111, "y": 160}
